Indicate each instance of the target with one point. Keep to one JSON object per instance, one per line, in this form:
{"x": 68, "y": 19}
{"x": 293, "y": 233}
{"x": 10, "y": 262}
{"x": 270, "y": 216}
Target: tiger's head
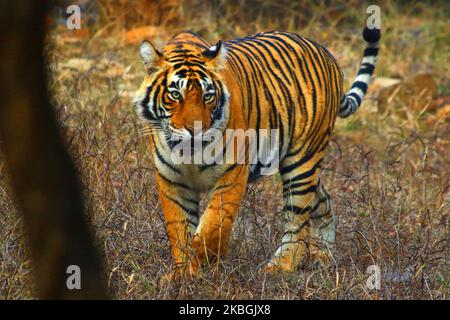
{"x": 183, "y": 87}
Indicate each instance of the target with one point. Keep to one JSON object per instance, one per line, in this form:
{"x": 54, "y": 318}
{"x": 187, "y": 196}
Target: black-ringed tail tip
{"x": 351, "y": 101}
{"x": 371, "y": 35}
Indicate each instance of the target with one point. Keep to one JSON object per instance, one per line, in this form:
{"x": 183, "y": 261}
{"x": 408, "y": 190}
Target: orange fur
{"x": 267, "y": 81}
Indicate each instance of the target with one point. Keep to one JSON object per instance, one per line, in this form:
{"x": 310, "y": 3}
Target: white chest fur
{"x": 199, "y": 177}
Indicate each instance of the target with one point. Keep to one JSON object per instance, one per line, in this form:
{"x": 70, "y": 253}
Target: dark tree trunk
{"x": 41, "y": 172}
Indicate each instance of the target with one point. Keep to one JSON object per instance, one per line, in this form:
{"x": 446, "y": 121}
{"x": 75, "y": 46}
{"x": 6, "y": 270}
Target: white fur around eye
{"x": 213, "y": 48}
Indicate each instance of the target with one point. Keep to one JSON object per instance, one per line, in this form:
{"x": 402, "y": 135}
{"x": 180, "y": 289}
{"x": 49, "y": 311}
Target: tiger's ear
{"x": 215, "y": 56}
{"x": 153, "y": 60}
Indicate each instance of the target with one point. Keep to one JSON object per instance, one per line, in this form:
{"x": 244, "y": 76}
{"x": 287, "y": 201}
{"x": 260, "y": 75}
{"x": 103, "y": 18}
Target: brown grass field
{"x": 387, "y": 169}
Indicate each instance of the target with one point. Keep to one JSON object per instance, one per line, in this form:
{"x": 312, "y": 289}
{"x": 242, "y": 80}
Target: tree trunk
{"x": 42, "y": 174}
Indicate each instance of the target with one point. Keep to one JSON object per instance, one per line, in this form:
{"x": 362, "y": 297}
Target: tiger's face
{"x": 182, "y": 94}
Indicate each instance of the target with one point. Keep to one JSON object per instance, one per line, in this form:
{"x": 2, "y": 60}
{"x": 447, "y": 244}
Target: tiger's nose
{"x": 195, "y": 128}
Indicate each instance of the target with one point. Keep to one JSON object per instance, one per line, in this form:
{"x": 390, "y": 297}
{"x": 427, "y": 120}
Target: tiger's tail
{"x": 351, "y": 101}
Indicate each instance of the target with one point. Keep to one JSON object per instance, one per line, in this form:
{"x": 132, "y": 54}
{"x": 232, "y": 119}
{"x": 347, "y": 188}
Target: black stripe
{"x": 314, "y": 208}
{"x": 321, "y": 216}
{"x": 303, "y": 192}
{"x": 306, "y": 174}
{"x": 370, "y": 52}
{"x": 297, "y": 164}
{"x": 356, "y": 96}
{"x": 361, "y": 85}
{"x": 187, "y": 64}
{"x": 184, "y": 208}
{"x": 366, "y": 68}
{"x": 298, "y": 229}
{"x": 287, "y": 185}
{"x": 296, "y": 209}
{"x": 144, "y": 105}
{"x": 167, "y": 164}
{"x": 178, "y": 184}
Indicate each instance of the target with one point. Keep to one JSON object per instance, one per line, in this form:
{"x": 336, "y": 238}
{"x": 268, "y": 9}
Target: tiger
{"x": 270, "y": 80}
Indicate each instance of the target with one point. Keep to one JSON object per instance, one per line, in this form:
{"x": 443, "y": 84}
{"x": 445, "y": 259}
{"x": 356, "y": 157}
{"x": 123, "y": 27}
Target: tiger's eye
{"x": 208, "y": 96}
{"x": 175, "y": 95}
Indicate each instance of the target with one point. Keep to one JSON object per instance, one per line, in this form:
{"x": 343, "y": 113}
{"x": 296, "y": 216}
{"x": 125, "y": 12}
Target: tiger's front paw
{"x": 320, "y": 259}
{"x": 180, "y": 272}
{"x": 276, "y": 266}
{"x": 209, "y": 250}
{"x": 321, "y": 254}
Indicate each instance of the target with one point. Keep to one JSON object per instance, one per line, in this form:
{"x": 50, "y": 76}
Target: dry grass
{"x": 386, "y": 171}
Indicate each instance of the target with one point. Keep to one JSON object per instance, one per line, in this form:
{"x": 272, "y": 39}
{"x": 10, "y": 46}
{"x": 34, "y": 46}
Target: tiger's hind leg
{"x": 300, "y": 183}
{"x": 323, "y": 227}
